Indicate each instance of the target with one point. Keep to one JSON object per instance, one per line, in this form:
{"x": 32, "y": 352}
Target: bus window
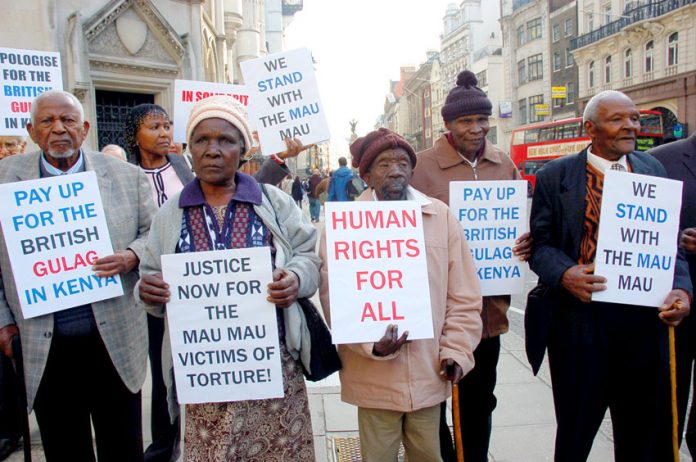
{"x": 518, "y": 137}
{"x": 531, "y": 136}
{"x": 531, "y": 166}
{"x": 570, "y": 130}
{"x": 547, "y": 134}
{"x": 651, "y": 124}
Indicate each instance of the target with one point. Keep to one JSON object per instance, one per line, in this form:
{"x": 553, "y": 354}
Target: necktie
{"x": 617, "y": 166}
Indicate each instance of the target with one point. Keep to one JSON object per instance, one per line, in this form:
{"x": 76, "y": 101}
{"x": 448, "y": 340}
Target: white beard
{"x": 62, "y": 155}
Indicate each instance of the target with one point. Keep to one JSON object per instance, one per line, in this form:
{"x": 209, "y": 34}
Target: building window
{"x": 606, "y": 14}
{"x": 558, "y": 103}
{"x": 569, "y": 58}
{"x": 534, "y": 100}
{"x": 568, "y": 29}
{"x": 628, "y": 63}
{"x": 520, "y": 35}
{"x": 521, "y": 72}
{"x": 673, "y": 49}
{"x": 523, "y": 111}
{"x": 590, "y": 22}
{"x": 649, "y": 56}
{"x": 556, "y": 61}
{"x": 492, "y": 135}
{"x": 535, "y": 67}
{"x": 556, "y": 32}
{"x": 607, "y": 69}
{"x": 590, "y": 75}
{"x": 482, "y": 80}
{"x": 570, "y": 93}
{"x": 534, "y": 29}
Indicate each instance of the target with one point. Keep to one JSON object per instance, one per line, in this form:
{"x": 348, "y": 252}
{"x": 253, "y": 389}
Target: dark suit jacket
{"x": 558, "y": 212}
{"x": 679, "y": 159}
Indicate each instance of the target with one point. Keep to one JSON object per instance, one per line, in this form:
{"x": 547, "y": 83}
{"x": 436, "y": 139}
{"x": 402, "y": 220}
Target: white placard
{"x": 493, "y": 215}
{"x": 223, "y": 331}
{"x": 378, "y": 272}
{"x": 189, "y": 92}
{"x": 55, "y": 229}
{"x": 285, "y": 99}
{"x": 25, "y": 75}
{"x": 637, "y": 239}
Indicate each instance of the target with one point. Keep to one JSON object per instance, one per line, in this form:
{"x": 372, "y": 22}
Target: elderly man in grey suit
{"x": 84, "y": 366}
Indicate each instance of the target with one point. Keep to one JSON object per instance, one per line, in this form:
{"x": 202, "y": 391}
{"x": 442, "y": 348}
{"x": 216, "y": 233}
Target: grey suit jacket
{"x": 127, "y": 201}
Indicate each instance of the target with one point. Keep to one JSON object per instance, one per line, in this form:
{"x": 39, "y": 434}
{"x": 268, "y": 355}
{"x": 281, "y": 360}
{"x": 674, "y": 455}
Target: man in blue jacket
{"x": 339, "y": 181}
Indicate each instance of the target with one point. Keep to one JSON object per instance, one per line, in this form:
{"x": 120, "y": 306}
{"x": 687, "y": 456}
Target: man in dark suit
{"x": 679, "y": 159}
{"x": 602, "y": 355}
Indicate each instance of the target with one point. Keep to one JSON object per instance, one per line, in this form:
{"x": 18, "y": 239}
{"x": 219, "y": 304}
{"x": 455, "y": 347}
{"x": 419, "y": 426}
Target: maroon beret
{"x": 365, "y": 149}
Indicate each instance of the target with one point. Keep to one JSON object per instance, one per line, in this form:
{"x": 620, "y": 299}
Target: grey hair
{"x": 590, "y": 112}
{"x": 75, "y": 102}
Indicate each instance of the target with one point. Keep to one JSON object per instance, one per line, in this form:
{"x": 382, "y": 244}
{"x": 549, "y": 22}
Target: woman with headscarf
{"x": 223, "y": 209}
{"x": 148, "y": 133}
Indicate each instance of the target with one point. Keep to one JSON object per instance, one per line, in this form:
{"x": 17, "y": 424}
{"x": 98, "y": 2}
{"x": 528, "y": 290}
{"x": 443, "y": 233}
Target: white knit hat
{"x": 220, "y": 107}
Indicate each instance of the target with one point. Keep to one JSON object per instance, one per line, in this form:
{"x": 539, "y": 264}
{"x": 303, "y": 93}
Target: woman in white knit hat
{"x": 223, "y": 209}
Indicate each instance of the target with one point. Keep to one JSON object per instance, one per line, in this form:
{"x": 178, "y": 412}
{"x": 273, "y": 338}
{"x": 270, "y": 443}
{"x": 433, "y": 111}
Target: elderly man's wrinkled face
{"x": 615, "y": 129}
{"x": 390, "y": 174}
{"x": 57, "y": 127}
{"x": 216, "y": 146}
{"x": 469, "y": 133}
{"x": 11, "y": 145}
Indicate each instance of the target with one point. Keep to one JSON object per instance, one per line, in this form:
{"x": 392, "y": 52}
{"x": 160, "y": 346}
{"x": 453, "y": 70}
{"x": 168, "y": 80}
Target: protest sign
{"x": 285, "y": 99}
{"x": 637, "y": 239}
{"x": 493, "y": 215}
{"x": 25, "y": 75}
{"x": 189, "y": 92}
{"x": 223, "y": 331}
{"x": 55, "y": 229}
{"x": 378, "y": 273}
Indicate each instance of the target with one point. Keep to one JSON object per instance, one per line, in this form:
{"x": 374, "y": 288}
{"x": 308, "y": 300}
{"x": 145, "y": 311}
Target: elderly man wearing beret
{"x": 414, "y": 375}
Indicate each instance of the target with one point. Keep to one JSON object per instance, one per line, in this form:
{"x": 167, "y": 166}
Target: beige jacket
{"x": 410, "y": 379}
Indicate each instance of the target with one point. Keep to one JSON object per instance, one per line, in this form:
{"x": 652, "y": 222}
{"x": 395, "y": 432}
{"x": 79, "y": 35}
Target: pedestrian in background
{"x": 314, "y": 204}
{"x": 339, "y": 182}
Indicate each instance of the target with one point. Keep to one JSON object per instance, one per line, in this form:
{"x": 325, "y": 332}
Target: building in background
{"x": 562, "y": 68}
{"x": 647, "y": 49}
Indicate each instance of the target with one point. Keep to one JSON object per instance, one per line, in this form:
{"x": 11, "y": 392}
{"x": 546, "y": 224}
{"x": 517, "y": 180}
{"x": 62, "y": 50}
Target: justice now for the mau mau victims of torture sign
{"x": 378, "y": 273}
{"x": 493, "y": 215}
{"x": 285, "y": 99}
{"x": 55, "y": 229}
{"x": 223, "y": 331}
{"x": 25, "y": 75}
{"x": 188, "y": 92}
{"x": 637, "y": 239}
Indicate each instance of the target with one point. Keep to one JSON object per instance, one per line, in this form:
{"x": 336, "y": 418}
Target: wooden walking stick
{"x": 456, "y": 420}
{"x": 18, "y": 364}
{"x": 673, "y": 387}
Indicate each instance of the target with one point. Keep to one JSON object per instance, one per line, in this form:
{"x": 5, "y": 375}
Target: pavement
{"x": 523, "y": 422}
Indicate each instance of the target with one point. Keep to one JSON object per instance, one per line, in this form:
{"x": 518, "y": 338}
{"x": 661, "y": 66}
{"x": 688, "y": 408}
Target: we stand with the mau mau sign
{"x": 378, "y": 273}
{"x": 637, "y": 239}
{"x": 223, "y": 331}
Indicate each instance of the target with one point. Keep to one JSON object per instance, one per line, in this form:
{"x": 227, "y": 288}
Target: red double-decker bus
{"x": 534, "y": 145}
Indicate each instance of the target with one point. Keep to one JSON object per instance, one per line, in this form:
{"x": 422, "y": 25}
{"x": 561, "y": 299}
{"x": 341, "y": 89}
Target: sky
{"x": 359, "y": 46}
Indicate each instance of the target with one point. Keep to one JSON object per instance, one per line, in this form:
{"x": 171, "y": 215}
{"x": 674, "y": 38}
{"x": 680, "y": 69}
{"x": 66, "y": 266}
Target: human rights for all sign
{"x": 189, "y": 92}
{"x": 25, "y": 74}
{"x": 493, "y": 214}
{"x": 223, "y": 331}
{"x": 378, "y": 273}
{"x": 55, "y": 229}
{"x": 637, "y": 239}
{"x": 285, "y": 99}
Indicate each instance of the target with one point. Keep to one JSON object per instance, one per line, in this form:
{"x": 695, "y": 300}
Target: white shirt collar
{"x": 603, "y": 164}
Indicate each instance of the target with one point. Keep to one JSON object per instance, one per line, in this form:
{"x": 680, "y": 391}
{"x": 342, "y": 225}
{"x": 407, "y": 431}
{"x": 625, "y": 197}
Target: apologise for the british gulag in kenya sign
{"x": 637, "y": 238}
{"x": 285, "y": 99}
{"x": 54, "y": 230}
{"x": 188, "y": 92}
{"x": 493, "y": 214}
{"x": 223, "y": 331}
{"x": 25, "y": 75}
{"x": 378, "y": 273}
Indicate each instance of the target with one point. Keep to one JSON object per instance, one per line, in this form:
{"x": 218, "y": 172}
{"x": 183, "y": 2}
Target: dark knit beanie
{"x": 466, "y": 99}
{"x": 365, "y": 149}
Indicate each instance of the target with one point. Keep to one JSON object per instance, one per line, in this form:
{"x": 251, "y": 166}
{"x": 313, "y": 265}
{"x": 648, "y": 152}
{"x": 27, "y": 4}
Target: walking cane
{"x": 673, "y": 387}
{"x": 18, "y": 365}
{"x": 456, "y": 420}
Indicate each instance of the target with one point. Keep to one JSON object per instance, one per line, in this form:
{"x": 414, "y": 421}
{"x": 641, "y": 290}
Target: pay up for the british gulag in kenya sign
{"x": 378, "y": 273}
{"x": 637, "y": 239}
{"x": 25, "y": 75}
{"x": 55, "y": 229}
{"x": 493, "y": 215}
{"x": 188, "y": 92}
{"x": 223, "y": 331}
{"x": 285, "y": 99}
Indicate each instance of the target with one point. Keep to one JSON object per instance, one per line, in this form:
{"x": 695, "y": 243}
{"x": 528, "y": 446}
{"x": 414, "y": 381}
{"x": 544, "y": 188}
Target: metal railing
{"x": 637, "y": 14}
